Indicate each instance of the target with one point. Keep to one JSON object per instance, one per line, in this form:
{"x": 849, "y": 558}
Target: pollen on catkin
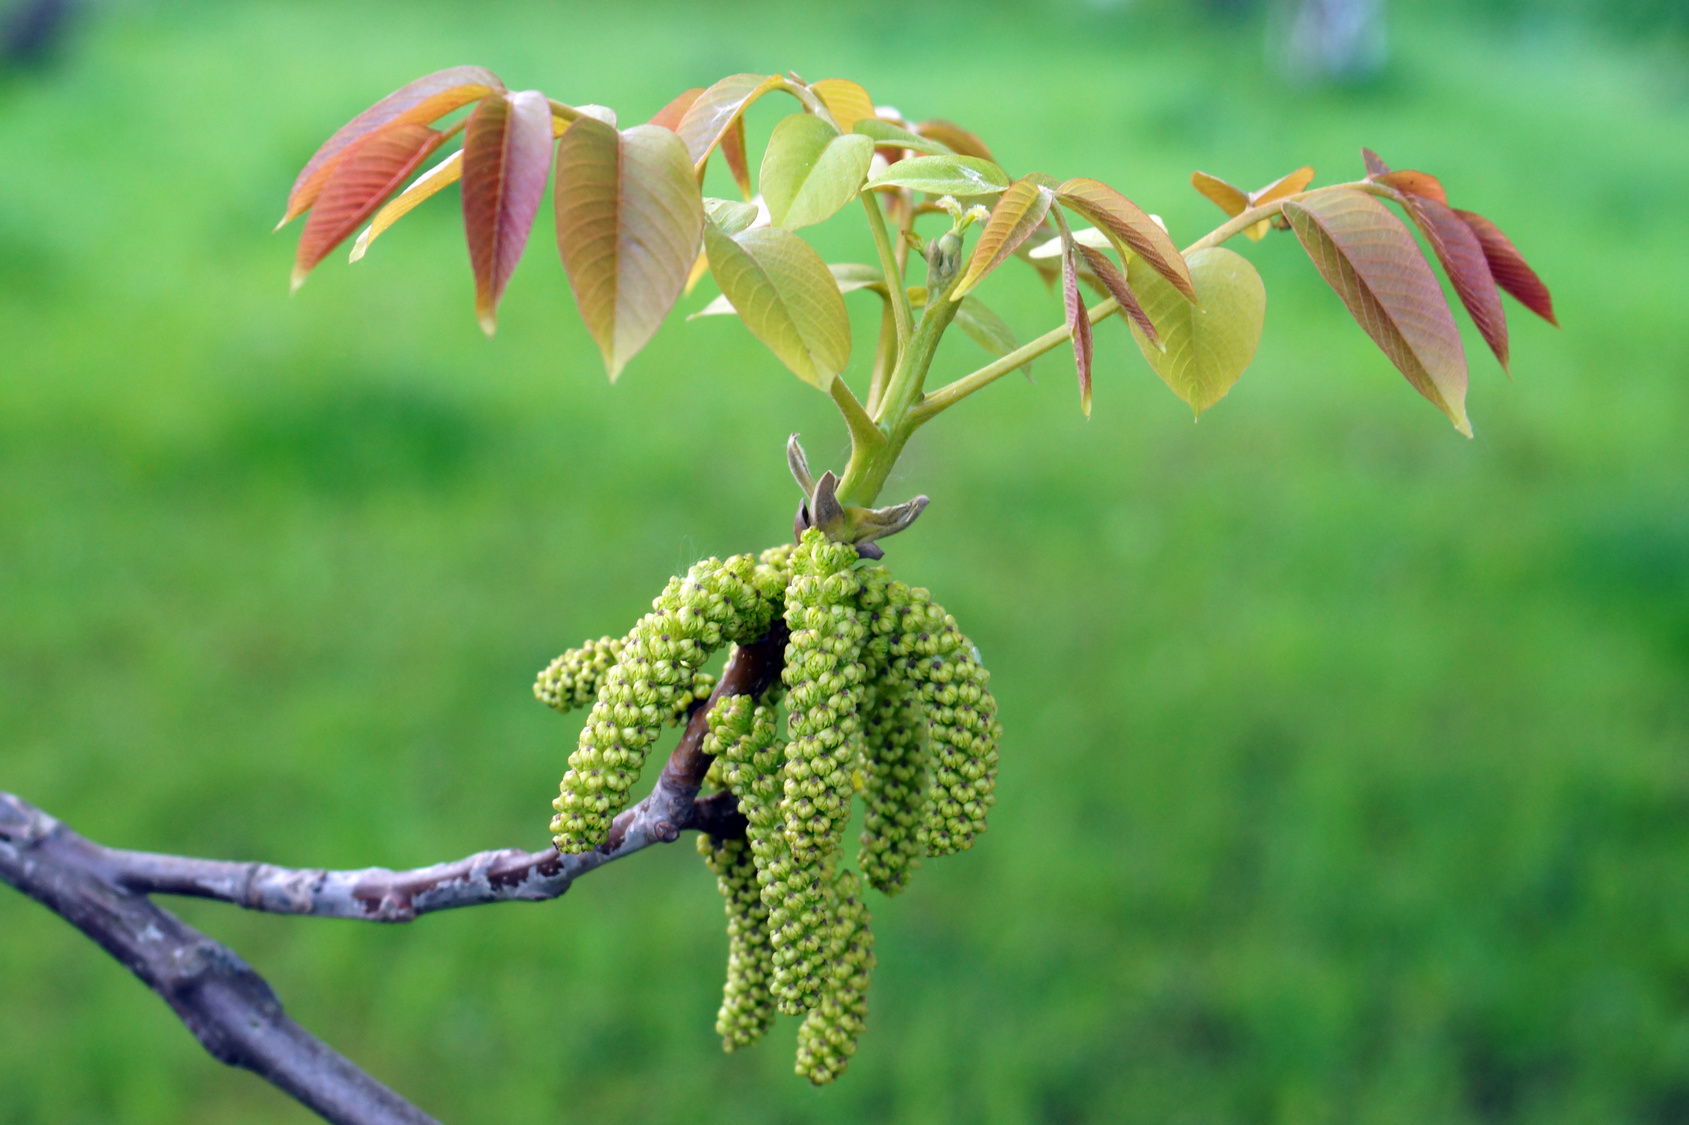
{"x": 827, "y": 1039}
{"x": 747, "y": 1009}
{"x": 651, "y": 681}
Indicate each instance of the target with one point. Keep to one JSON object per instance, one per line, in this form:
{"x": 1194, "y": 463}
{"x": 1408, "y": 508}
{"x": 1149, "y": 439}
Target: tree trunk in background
{"x": 1318, "y": 41}
{"x": 30, "y": 29}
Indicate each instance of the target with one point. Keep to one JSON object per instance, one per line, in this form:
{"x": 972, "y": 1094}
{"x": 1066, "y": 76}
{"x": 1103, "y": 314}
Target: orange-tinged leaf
{"x": 1019, "y": 211}
{"x": 1233, "y": 201}
{"x": 1375, "y": 166}
{"x": 506, "y": 159}
{"x": 367, "y": 172}
{"x": 629, "y": 225}
{"x": 1462, "y": 256}
{"x": 733, "y": 151}
{"x": 1371, "y": 259}
{"x": 1128, "y": 222}
{"x": 845, "y": 100}
{"x": 442, "y": 175}
{"x": 1283, "y": 186}
{"x": 669, "y": 116}
{"x": 1115, "y": 282}
{"x": 1409, "y": 182}
{"x": 1509, "y": 268}
{"x": 717, "y": 108}
{"x": 955, "y": 138}
{"x": 418, "y": 103}
{"x": 1073, "y": 306}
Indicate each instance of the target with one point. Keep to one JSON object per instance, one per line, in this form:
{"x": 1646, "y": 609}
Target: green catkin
{"x": 652, "y": 679}
{"x": 827, "y": 1039}
{"x": 962, "y": 725}
{"x": 746, "y": 1007}
{"x": 825, "y": 682}
{"x": 573, "y": 679}
{"x": 894, "y": 745}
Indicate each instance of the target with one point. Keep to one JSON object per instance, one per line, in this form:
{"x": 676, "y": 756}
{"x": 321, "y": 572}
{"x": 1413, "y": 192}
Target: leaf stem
{"x": 885, "y": 353}
{"x": 895, "y": 292}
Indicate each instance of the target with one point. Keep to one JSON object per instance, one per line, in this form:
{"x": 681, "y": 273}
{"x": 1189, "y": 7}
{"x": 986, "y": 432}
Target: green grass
{"x": 1344, "y": 777}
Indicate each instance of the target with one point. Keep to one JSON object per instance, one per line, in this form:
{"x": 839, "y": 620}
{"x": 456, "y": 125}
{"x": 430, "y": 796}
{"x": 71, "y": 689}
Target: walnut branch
{"x": 229, "y": 1008}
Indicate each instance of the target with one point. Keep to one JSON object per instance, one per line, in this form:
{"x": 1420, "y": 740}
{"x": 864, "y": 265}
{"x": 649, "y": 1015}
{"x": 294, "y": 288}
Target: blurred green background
{"x": 1345, "y": 775}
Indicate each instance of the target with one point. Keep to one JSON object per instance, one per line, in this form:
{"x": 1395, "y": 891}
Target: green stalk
{"x": 895, "y": 291}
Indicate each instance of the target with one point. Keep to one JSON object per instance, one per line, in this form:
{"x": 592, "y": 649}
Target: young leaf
{"x": 960, "y": 176}
{"x": 852, "y": 276}
{"x": 729, "y": 214}
{"x": 1073, "y": 305}
{"x": 442, "y": 175}
{"x": 1409, "y": 182}
{"x": 809, "y": 171}
{"x": 845, "y": 100}
{"x": 955, "y": 138}
{"x": 1372, "y": 261}
{"x": 1084, "y": 236}
{"x": 1019, "y": 212}
{"x": 1285, "y": 185}
{"x": 366, "y": 173}
{"x": 506, "y": 159}
{"x": 1509, "y": 268}
{"x": 1118, "y": 288}
{"x": 887, "y": 135}
{"x": 1375, "y": 166}
{"x": 1204, "y": 346}
{"x": 988, "y": 330}
{"x": 717, "y": 108}
{"x": 1125, "y": 220}
{"x": 669, "y": 116}
{"x": 1462, "y": 256}
{"x": 786, "y": 296}
{"x": 1233, "y": 201}
{"x": 629, "y": 223}
{"x": 416, "y": 103}
{"x": 733, "y": 151}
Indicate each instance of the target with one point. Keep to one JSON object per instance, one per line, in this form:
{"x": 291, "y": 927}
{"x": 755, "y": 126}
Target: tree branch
{"x": 229, "y": 1008}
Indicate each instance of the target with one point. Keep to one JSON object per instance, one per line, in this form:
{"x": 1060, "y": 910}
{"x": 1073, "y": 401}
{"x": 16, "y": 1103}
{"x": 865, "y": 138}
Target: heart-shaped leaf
{"x": 1509, "y": 268}
{"x": 717, "y": 108}
{"x": 1462, "y": 256}
{"x": 1207, "y": 343}
{"x": 1370, "y": 258}
{"x": 845, "y": 100}
{"x": 960, "y": 176}
{"x": 506, "y": 159}
{"x": 442, "y": 175}
{"x": 1129, "y": 223}
{"x": 786, "y": 296}
{"x": 416, "y": 103}
{"x": 629, "y": 224}
{"x": 1020, "y": 211}
{"x": 809, "y": 171}
{"x": 366, "y": 173}
{"x": 887, "y": 135}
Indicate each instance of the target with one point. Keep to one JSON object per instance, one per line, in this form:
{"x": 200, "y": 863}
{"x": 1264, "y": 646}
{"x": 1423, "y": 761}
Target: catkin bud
{"x": 573, "y": 679}
{"x": 652, "y": 680}
{"x": 827, "y": 1039}
{"x": 825, "y": 681}
{"x": 746, "y": 1006}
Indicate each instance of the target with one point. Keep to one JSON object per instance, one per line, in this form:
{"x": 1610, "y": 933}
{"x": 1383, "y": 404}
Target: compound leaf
{"x": 960, "y": 176}
{"x": 1207, "y": 344}
{"x": 442, "y": 175}
{"x": 1129, "y": 223}
{"x": 367, "y": 171}
{"x": 629, "y": 224}
{"x": 809, "y": 171}
{"x": 422, "y": 102}
{"x": 1020, "y": 211}
{"x": 1508, "y": 267}
{"x": 506, "y": 159}
{"x": 786, "y": 296}
{"x": 1372, "y": 261}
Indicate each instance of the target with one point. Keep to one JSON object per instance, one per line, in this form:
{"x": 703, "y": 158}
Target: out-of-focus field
{"x": 1346, "y": 775}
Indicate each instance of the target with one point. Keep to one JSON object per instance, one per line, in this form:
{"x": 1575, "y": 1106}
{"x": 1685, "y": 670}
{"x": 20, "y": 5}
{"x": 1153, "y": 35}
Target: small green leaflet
{"x": 810, "y": 171}
{"x": 1208, "y": 342}
{"x": 887, "y": 135}
{"x": 944, "y": 175}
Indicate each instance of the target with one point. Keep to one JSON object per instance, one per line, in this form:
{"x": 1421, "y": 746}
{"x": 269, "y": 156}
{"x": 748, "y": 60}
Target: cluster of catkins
{"x": 882, "y": 695}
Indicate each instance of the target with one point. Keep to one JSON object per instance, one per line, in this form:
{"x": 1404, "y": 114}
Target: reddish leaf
{"x": 1232, "y": 200}
{"x": 1509, "y": 268}
{"x": 1128, "y": 222}
{"x": 1019, "y": 211}
{"x": 733, "y": 151}
{"x": 669, "y": 116}
{"x": 506, "y": 159}
{"x": 366, "y": 173}
{"x": 1078, "y": 320}
{"x": 1409, "y": 182}
{"x": 1115, "y": 282}
{"x": 1375, "y": 166}
{"x": 417, "y": 103}
{"x": 717, "y": 108}
{"x": 1463, "y": 260}
{"x": 1371, "y": 259}
{"x": 955, "y": 138}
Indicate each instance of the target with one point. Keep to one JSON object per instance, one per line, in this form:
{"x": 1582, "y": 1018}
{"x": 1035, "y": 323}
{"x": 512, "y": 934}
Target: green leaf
{"x": 988, "y": 330}
{"x": 810, "y": 171}
{"x": 729, "y": 214}
{"x": 1019, "y": 212}
{"x": 786, "y": 296}
{"x": 1371, "y": 259}
{"x": 1210, "y": 342}
{"x": 960, "y": 176}
{"x": 887, "y": 135}
{"x": 852, "y": 276}
{"x": 629, "y": 222}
